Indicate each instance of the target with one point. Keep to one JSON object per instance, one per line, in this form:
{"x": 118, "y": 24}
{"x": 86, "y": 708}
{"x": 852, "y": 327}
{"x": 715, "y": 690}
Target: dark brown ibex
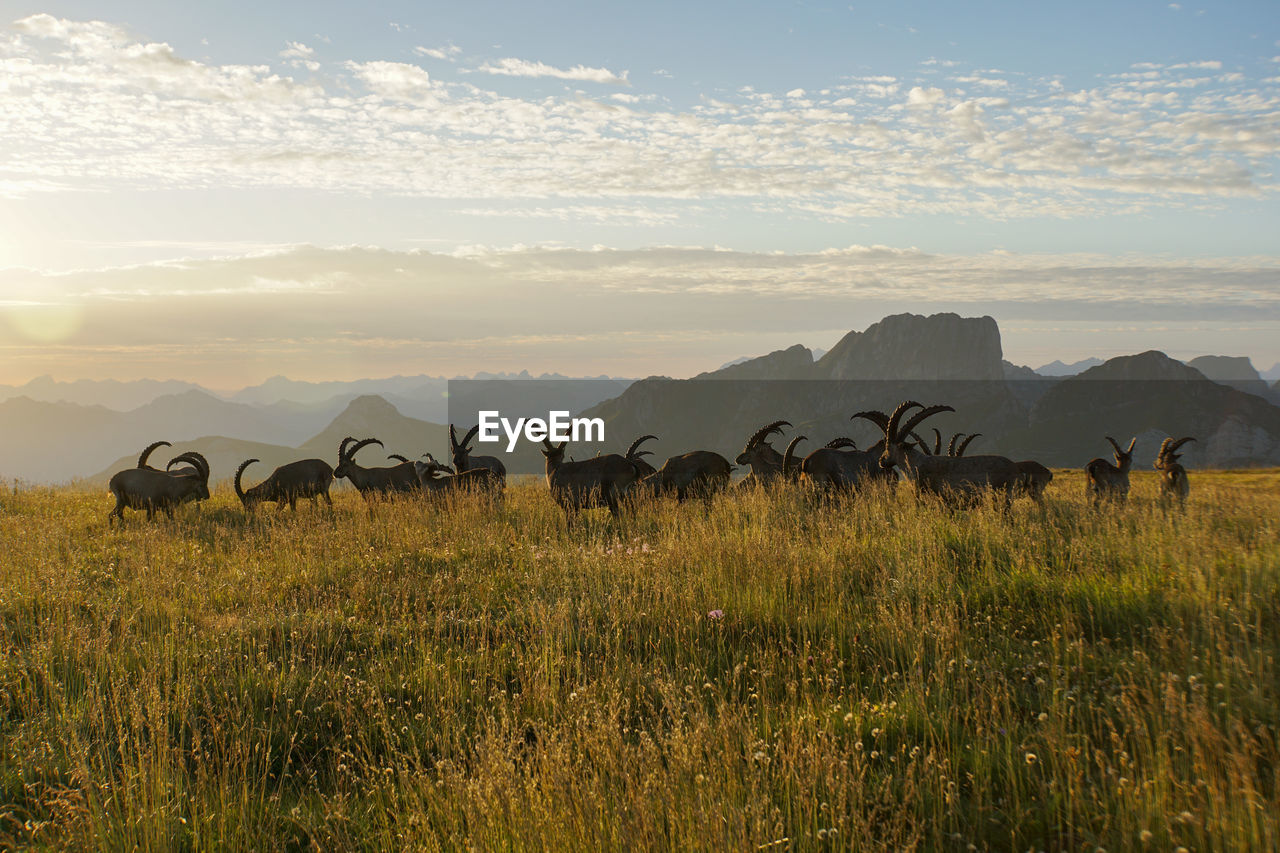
{"x": 950, "y": 477}
{"x": 371, "y": 482}
{"x": 150, "y": 489}
{"x": 838, "y": 465}
{"x": 698, "y": 473}
{"x": 306, "y": 478}
{"x": 475, "y": 481}
{"x": 765, "y": 462}
{"x": 599, "y": 481}
{"x": 1173, "y": 477}
{"x": 1104, "y": 480}
{"x": 464, "y": 461}
{"x": 1033, "y": 479}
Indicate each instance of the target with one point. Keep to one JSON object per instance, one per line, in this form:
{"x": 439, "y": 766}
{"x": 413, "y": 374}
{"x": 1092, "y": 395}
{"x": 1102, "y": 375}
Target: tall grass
{"x": 883, "y": 673}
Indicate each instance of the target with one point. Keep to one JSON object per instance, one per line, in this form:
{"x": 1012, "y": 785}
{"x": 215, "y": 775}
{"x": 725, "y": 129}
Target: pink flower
{"x": 715, "y": 615}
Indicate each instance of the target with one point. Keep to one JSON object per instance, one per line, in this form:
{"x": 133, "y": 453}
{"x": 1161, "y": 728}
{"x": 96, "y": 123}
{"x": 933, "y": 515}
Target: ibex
{"x": 1173, "y": 477}
{"x": 599, "y": 481}
{"x": 698, "y": 473}
{"x": 306, "y": 478}
{"x": 477, "y": 480}
{"x": 1033, "y": 479}
{"x": 947, "y": 476}
{"x": 838, "y": 465}
{"x": 1104, "y": 480}
{"x": 149, "y": 489}
{"x": 765, "y": 462}
{"x": 464, "y": 461}
{"x": 401, "y": 478}
{"x": 188, "y": 471}
{"x": 635, "y": 456}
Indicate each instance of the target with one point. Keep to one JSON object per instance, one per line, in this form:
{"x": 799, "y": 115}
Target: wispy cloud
{"x": 510, "y": 67}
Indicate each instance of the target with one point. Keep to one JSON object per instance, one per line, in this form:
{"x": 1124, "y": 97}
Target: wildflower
{"x": 1145, "y": 836}
{"x": 715, "y": 615}
{"x": 1043, "y": 716}
{"x": 1032, "y": 758}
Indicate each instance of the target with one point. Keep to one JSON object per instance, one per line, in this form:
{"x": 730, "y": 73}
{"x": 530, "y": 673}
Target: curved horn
{"x": 965, "y": 444}
{"x": 1114, "y": 444}
{"x": 239, "y": 472}
{"x": 918, "y": 417}
{"x": 891, "y": 425}
{"x": 788, "y": 458}
{"x": 841, "y": 443}
{"x": 937, "y": 442}
{"x": 396, "y": 456}
{"x": 142, "y": 458}
{"x": 764, "y": 432}
{"x": 466, "y": 439}
{"x": 631, "y": 451}
{"x": 453, "y": 438}
{"x": 920, "y": 443}
{"x": 355, "y": 448}
{"x": 880, "y": 419}
{"x": 951, "y": 445}
{"x": 1173, "y": 447}
{"x": 342, "y": 448}
{"x": 197, "y": 461}
{"x": 1132, "y": 442}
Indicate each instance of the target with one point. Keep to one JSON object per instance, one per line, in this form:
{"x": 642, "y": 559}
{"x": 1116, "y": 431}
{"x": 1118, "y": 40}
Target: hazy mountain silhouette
{"x": 1058, "y": 368}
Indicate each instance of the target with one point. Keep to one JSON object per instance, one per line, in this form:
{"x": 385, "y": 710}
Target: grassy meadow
{"x": 772, "y": 671}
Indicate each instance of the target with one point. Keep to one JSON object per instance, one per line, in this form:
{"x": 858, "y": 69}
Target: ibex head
{"x": 346, "y": 456}
{"x": 249, "y": 499}
{"x": 897, "y": 431}
{"x": 554, "y": 453}
{"x": 759, "y": 439}
{"x": 1168, "y": 453}
{"x": 201, "y": 465}
{"x": 1124, "y": 458}
{"x": 461, "y": 450}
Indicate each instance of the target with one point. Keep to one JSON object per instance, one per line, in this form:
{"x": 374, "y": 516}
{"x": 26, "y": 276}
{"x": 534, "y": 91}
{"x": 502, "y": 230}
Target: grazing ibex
{"x": 1033, "y": 479}
{"x": 150, "y": 489}
{"x": 464, "y": 461}
{"x": 371, "y": 482}
{"x": 306, "y": 478}
{"x": 1173, "y": 477}
{"x": 475, "y": 481}
{"x": 765, "y": 462}
{"x": 599, "y": 481}
{"x": 950, "y": 477}
{"x": 698, "y": 473}
{"x": 1104, "y": 480}
{"x": 839, "y": 465}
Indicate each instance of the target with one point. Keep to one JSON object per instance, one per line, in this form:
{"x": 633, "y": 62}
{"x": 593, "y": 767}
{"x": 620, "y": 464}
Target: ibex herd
{"x": 610, "y": 480}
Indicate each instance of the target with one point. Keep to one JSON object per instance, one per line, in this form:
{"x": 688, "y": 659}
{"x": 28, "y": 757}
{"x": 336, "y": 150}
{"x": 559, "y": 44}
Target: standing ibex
{"x": 947, "y": 476}
{"x": 698, "y": 473}
{"x": 149, "y": 489}
{"x": 464, "y": 461}
{"x": 306, "y": 478}
{"x": 765, "y": 462}
{"x": 599, "y": 481}
{"x": 400, "y": 478}
{"x": 839, "y": 465}
{"x": 1104, "y": 480}
{"x": 1173, "y": 477}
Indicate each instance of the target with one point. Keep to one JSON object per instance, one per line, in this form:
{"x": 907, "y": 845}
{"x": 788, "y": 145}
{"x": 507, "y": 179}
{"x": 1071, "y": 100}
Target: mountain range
{"x": 1058, "y": 413}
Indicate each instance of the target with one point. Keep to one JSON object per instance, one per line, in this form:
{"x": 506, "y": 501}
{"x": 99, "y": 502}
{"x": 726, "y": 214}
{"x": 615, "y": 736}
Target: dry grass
{"x": 885, "y": 674}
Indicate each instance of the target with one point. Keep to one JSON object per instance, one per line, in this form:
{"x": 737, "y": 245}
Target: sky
{"x": 226, "y": 192}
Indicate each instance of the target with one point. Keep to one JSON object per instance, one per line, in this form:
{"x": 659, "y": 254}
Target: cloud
{"x": 523, "y": 68}
{"x": 313, "y": 313}
{"x": 446, "y": 53}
